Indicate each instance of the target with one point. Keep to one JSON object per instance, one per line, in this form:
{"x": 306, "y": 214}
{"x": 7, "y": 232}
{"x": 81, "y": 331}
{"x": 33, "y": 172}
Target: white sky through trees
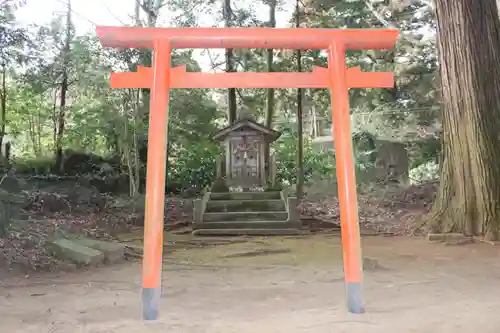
{"x": 88, "y": 13}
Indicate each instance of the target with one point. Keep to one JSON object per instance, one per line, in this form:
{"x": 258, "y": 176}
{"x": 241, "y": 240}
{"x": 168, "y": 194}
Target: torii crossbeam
{"x": 318, "y": 78}
{"x": 161, "y": 77}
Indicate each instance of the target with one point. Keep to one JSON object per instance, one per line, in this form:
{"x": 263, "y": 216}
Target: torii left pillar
{"x": 155, "y": 180}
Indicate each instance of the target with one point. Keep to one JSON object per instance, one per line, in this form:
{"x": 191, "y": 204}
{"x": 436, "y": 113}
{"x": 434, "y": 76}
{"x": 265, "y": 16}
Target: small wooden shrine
{"x": 245, "y": 142}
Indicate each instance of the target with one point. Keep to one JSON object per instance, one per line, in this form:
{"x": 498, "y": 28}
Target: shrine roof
{"x": 248, "y": 123}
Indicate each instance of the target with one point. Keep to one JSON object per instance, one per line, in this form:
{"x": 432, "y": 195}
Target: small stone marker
{"x": 450, "y": 239}
{"x": 113, "y": 252}
{"x": 79, "y": 254}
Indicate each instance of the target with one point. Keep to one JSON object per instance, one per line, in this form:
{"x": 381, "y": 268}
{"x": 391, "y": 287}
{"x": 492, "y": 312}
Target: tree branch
{"x": 238, "y": 91}
{"x": 379, "y": 17}
{"x": 428, "y": 3}
{"x": 386, "y": 23}
{"x": 112, "y": 13}
{"x": 213, "y": 64}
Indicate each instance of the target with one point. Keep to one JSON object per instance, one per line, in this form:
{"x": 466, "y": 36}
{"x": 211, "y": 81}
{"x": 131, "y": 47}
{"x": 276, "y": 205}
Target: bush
{"x": 38, "y": 166}
{"x": 219, "y": 186}
{"x": 316, "y": 163}
{"x": 193, "y": 166}
{"x": 273, "y": 187}
{"x": 424, "y": 150}
{"x": 424, "y": 173}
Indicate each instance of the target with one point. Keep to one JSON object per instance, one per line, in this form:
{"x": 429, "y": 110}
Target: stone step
{"x": 113, "y": 251}
{"x": 246, "y": 195}
{"x": 245, "y": 225}
{"x": 69, "y": 250}
{"x": 249, "y": 232}
{"x": 215, "y": 206}
{"x": 245, "y": 216}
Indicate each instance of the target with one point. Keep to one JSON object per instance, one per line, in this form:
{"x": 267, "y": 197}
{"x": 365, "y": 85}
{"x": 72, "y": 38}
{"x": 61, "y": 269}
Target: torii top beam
{"x": 265, "y": 38}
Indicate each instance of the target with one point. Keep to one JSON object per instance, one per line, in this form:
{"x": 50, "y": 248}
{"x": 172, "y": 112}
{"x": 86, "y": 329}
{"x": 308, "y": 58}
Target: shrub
{"x": 39, "y": 165}
{"x": 219, "y": 186}
{"x": 193, "y": 166}
{"x": 273, "y": 187}
{"x": 425, "y": 172}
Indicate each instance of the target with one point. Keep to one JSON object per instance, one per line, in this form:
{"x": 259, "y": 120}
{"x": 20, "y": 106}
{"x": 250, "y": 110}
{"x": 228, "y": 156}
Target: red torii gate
{"x": 161, "y": 77}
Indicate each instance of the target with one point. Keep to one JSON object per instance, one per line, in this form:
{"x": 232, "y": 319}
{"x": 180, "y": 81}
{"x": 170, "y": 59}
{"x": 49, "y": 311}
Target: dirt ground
{"x": 295, "y": 285}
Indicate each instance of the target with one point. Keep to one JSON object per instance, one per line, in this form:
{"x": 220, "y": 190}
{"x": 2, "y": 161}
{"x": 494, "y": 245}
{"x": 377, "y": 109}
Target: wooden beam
{"x": 265, "y": 38}
{"x": 318, "y": 78}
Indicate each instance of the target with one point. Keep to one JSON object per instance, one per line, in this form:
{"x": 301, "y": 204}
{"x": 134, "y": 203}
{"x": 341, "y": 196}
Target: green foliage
{"x": 12, "y": 38}
{"x": 219, "y": 186}
{"x": 192, "y": 167}
{"x": 425, "y": 151}
{"x": 35, "y": 166}
{"x": 316, "y": 163}
{"x": 273, "y": 187}
{"x": 424, "y": 173}
{"x": 115, "y": 122}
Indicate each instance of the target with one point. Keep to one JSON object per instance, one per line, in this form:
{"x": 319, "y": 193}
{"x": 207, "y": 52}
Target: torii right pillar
{"x": 346, "y": 179}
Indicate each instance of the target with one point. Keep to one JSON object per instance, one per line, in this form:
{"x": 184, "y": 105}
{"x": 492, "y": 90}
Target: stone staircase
{"x": 246, "y": 213}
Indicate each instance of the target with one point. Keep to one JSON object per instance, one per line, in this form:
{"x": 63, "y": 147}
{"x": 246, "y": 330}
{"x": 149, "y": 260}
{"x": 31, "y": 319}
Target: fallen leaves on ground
{"x": 25, "y": 246}
{"x": 393, "y": 211}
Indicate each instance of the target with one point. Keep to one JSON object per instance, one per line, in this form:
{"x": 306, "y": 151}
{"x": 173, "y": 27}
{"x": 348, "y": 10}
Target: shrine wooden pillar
{"x": 346, "y": 180}
{"x": 155, "y": 180}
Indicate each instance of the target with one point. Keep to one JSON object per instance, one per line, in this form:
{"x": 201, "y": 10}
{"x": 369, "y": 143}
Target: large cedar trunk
{"x": 469, "y": 54}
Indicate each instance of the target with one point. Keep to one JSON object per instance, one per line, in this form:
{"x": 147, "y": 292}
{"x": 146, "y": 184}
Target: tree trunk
{"x": 39, "y": 127}
{"x": 54, "y": 118}
{"x": 3, "y": 103}
{"x": 270, "y": 92}
{"x": 61, "y": 122}
{"x": 151, "y": 8}
{"x": 300, "y": 135}
{"x": 231, "y": 92}
{"x": 469, "y": 54}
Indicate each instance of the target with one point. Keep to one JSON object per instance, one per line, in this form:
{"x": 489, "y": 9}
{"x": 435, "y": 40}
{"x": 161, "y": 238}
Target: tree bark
{"x": 64, "y": 90}
{"x": 469, "y": 55}
{"x": 270, "y": 92}
{"x": 3, "y": 103}
{"x": 300, "y": 134}
{"x": 231, "y": 92}
{"x": 152, "y": 9}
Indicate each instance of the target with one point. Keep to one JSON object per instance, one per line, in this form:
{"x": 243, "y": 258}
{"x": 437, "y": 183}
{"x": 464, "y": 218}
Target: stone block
{"x": 446, "y": 237}
{"x": 246, "y": 195}
{"x": 248, "y": 232}
{"x": 245, "y": 216}
{"x": 113, "y": 251}
{"x": 68, "y": 250}
{"x": 198, "y": 211}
